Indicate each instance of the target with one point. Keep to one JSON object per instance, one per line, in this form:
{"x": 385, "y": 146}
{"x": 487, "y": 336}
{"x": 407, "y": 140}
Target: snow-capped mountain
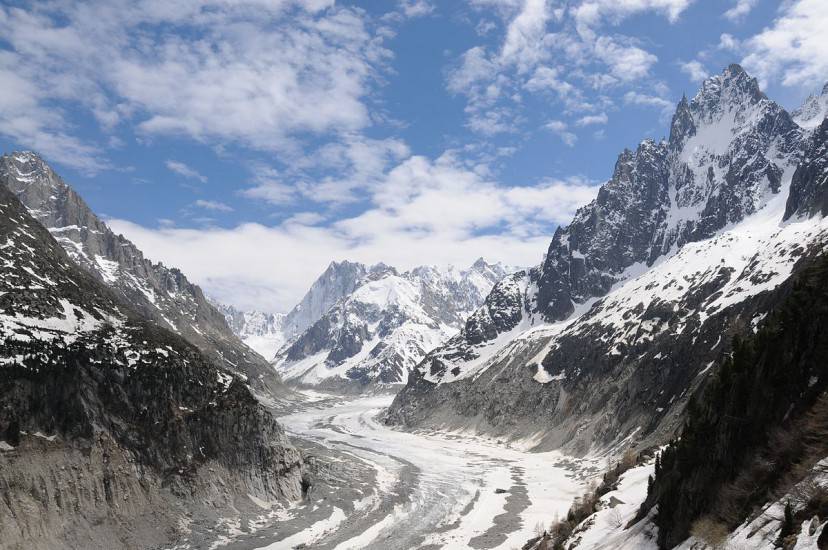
{"x": 158, "y": 292}
{"x": 813, "y": 111}
{"x": 336, "y": 282}
{"x": 644, "y": 289}
{"x": 125, "y": 429}
{"x": 386, "y": 324}
{"x": 263, "y": 332}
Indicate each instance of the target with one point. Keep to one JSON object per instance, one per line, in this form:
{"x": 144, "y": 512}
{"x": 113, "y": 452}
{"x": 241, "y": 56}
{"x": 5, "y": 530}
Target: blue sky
{"x": 251, "y": 142}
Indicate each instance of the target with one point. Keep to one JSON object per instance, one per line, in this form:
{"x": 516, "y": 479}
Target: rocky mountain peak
{"x": 730, "y": 149}
{"x": 813, "y": 111}
{"x": 809, "y": 185}
{"x": 338, "y": 280}
{"x": 157, "y": 292}
{"x": 727, "y": 97}
{"x": 382, "y": 328}
{"x": 260, "y": 330}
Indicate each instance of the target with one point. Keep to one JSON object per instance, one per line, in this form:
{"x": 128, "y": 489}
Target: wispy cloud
{"x": 571, "y": 53}
{"x": 695, "y": 70}
{"x": 561, "y": 129}
{"x": 182, "y": 169}
{"x": 260, "y": 74}
{"x": 213, "y": 205}
{"x": 740, "y": 9}
{"x": 591, "y": 120}
{"x": 423, "y": 211}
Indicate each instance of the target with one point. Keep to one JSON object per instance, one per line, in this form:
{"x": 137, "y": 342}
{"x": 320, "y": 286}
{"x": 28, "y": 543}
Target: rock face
{"x": 809, "y": 187}
{"x": 643, "y": 290}
{"x": 383, "y": 328}
{"x": 813, "y": 111}
{"x": 157, "y": 292}
{"x": 338, "y": 280}
{"x": 262, "y": 332}
{"x": 112, "y": 428}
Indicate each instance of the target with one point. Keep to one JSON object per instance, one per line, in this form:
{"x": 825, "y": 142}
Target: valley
{"x": 414, "y": 490}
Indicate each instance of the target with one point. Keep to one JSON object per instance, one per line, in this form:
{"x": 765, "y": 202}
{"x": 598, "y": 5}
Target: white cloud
{"x": 591, "y": 12}
{"x": 695, "y": 70}
{"x": 425, "y": 211}
{"x": 25, "y": 119}
{"x": 260, "y": 73}
{"x": 626, "y": 61}
{"x": 524, "y": 42}
{"x": 213, "y": 205}
{"x": 562, "y": 130}
{"x": 550, "y": 48}
{"x": 416, "y": 8}
{"x": 647, "y": 100}
{"x": 728, "y": 42}
{"x": 183, "y": 170}
{"x": 740, "y": 9}
{"x": 590, "y": 120}
{"x": 269, "y": 186}
{"x": 792, "y": 48}
{"x": 474, "y": 67}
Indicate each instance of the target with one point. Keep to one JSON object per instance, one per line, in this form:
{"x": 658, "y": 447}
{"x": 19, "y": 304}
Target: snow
{"x": 265, "y": 345}
{"x": 759, "y": 253}
{"x": 761, "y": 531}
{"x": 604, "y": 529}
{"x": 74, "y": 320}
{"x": 107, "y": 268}
{"x": 311, "y": 535}
{"x": 813, "y": 111}
{"x": 543, "y": 376}
{"x": 395, "y": 322}
{"x": 454, "y": 497}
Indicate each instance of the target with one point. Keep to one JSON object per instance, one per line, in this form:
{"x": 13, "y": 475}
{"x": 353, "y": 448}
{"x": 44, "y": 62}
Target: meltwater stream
{"x": 385, "y": 488}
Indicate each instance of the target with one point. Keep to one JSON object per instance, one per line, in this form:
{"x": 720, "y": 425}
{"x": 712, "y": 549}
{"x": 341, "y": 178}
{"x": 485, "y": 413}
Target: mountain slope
{"x": 640, "y": 293}
{"x": 159, "y": 293}
{"x": 768, "y": 385}
{"x": 380, "y": 330}
{"x": 112, "y": 429}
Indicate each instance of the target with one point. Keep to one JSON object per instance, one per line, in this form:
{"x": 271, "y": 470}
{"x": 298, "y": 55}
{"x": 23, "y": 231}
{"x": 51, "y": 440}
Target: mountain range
{"x": 642, "y": 293}
{"x": 364, "y": 326}
{"x": 378, "y": 332}
{"x": 679, "y": 316}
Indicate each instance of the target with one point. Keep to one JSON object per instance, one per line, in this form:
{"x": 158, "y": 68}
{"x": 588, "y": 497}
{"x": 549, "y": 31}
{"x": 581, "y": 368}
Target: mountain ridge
{"x": 693, "y": 230}
{"x": 162, "y": 294}
{"x": 375, "y": 333}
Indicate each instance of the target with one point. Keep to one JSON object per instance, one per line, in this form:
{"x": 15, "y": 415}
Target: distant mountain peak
{"x": 813, "y": 111}
{"x": 379, "y": 330}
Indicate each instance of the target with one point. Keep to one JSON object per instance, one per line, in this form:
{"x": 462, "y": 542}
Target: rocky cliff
{"x": 115, "y": 432}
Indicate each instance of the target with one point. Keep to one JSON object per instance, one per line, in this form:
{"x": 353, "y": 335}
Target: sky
{"x": 252, "y": 142}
